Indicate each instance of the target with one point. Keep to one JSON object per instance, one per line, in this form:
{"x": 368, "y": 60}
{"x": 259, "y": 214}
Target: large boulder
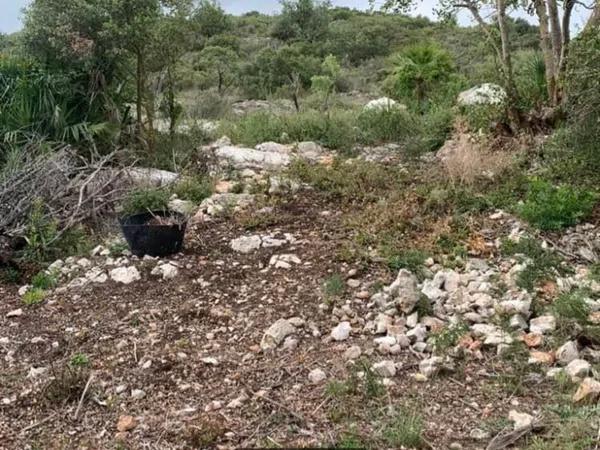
{"x": 248, "y": 158}
{"x": 151, "y": 177}
{"x": 484, "y": 94}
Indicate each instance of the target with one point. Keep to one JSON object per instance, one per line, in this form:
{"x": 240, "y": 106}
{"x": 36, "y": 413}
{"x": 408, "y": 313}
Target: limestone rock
{"x": 341, "y": 332}
{"x": 276, "y": 333}
{"x": 125, "y": 275}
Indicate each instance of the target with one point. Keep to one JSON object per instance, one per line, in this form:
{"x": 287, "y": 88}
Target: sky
{"x": 10, "y": 10}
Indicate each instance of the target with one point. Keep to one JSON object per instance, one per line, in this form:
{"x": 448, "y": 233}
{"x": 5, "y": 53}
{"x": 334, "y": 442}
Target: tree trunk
{"x": 511, "y": 88}
{"x": 171, "y": 102}
{"x": 546, "y": 46}
{"x": 220, "y": 86}
{"x": 140, "y": 91}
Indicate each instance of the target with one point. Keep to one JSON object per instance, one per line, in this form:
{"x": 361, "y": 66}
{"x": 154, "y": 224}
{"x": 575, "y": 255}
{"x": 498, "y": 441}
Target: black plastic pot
{"x": 146, "y": 238}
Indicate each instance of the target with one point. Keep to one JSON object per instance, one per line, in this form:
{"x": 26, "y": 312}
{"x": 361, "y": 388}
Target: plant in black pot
{"x": 150, "y": 228}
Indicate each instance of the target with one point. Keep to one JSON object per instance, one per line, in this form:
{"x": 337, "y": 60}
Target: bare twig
{"x": 83, "y": 394}
{"x": 37, "y": 424}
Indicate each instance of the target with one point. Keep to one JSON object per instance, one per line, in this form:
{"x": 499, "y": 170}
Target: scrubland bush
{"x": 550, "y": 207}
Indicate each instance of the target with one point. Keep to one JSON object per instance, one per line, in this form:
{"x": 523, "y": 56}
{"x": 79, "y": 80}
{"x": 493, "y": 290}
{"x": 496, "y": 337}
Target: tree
{"x": 222, "y": 61}
{"x": 324, "y": 84}
{"x": 302, "y": 20}
{"x": 210, "y": 19}
{"x": 418, "y": 70}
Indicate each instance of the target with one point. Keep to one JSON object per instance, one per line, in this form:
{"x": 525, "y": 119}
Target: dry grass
{"x": 466, "y": 158}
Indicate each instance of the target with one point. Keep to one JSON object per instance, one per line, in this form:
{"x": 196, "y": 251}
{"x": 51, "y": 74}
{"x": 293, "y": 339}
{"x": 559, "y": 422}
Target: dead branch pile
{"x": 72, "y": 189}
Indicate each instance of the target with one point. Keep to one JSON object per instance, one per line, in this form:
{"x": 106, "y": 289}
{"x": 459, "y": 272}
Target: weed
{"x": 34, "y": 297}
{"x": 405, "y": 430}
{"x": 44, "y": 281}
{"x": 373, "y": 388}
{"x": 117, "y": 248}
{"x": 146, "y": 200}
{"x": 572, "y": 305}
{"x": 574, "y": 428}
{"x": 10, "y": 274}
{"x": 351, "y": 439}
{"x": 66, "y": 384}
{"x": 594, "y": 274}
{"x": 413, "y": 260}
{"x": 448, "y": 337}
{"x": 204, "y": 434}
{"x": 194, "y": 189}
{"x": 550, "y": 207}
{"x": 79, "y": 360}
{"x": 334, "y": 286}
{"x": 541, "y": 264}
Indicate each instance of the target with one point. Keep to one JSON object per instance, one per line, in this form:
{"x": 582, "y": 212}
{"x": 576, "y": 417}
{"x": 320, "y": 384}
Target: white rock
{"x": 276, "y": 333}
{"x": 35, "y": 372}
{"x": 14, "y": 313}
{"x": 183, "y": 207}
{"x": 317, "y": 376}
{"x": 567, "y": 352}
{"x": 386, "y": 369}
{"x": 238, "y": 402}
{"x": 84, "y": 263}
{"x": 167, "y": 271}
{"x": 578, "y": 369}
{"x": 247, "y": 158}
{"x": 520, "y": 420}
{"x": 404, "y": 291}
{"x": 125, "y": 275}
{"x": 137, "y": 394}
{"x": 352, "y": 352}
{"x": 341, "y": 332}
{"x": 246, "y": 244}
{"x": 484, "y": 94}
{"x": 430, "y": 367}
{"x": 542, "y": 324}
{"x": 215, "y": 405}
{"x": 285, "y": 261}
{"x": 383, "y": 104}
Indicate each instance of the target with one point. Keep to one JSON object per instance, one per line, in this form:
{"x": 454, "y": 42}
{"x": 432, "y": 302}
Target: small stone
{"x": 353, "y": 283}
{"x": 166, "y": 271}
{"x": 385, "y": 369}
{"x": 542, "y": 324}
{"x": 213, "y": 406}
{"x": 520, "y": 420}
{"x": 544, "y": 358}
{"x": 125, "y": 275}
{"x": 210, "y": 361}
{"x": 352, "y": 352}
{"x": 588, "y": 391}
{"x": 246, "y": 244}
{"x": 578, "y": 369}
{"x": 341, "y": 332}
{"x": 276, "y": 333}
{"x": 14, "y": 313}
{"x": 567, "y": 353}
{"x": 430, "y": 367}
{"x": 532, "y": 340}
{"x": 238, "y": 402}
{"x": 317, "y": 376}
{"x": 479, "y": 435}
{"x": 137, "y": 394}
{"x": 126, "y": 423}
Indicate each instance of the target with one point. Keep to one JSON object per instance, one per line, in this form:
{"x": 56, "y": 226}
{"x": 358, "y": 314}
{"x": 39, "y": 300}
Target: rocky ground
{"x": 259, "y": 335}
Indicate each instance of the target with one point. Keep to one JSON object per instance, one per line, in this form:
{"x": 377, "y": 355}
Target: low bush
{"x": 550, "y": 207}
{"x": 34, "y": 297}
{"x": 391, "y": 125}
{"x": 44, "y": 281}
{"x": 194, "y": 189}
{"x": 405, "y": 430}
{"x": 146, "y": 200}
{"x": 484, "y": 118}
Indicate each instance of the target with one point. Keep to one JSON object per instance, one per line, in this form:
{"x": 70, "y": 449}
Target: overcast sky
{"x": 10, "y": 10}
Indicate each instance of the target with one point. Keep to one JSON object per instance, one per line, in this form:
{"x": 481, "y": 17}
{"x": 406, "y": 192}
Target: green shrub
{"x": 44, "y": 242}
{"x": 542, "y": 265}
{"x": 34, "y": 297}
{"x": 145, "y": 200}
{"x": 334, "y": 286}
{"x": 44, "y": 281}
{"x": 405, "y": 430}
{"x": 483, "y": 117}
{"x": 413, "y": 260}
{"x": 79, "y": 360}
{"x": 572, "y": 306}
{"x": 550, "y": 207}
{"x": 387, "y": 125}
{"x": 334, "y": 129}
{"x": 194, "y": 189}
